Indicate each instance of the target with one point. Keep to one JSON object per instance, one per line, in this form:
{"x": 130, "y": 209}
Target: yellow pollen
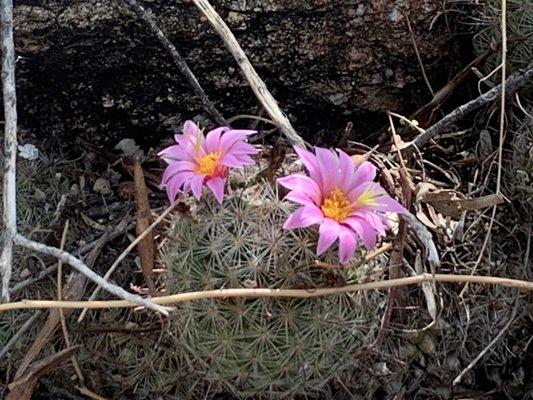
{"x": 336, "y": 206}
{"x": 208, "y": 163}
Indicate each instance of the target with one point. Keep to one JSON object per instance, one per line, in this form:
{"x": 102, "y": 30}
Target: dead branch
{"x": 149, "y": 19}
{"x": 127, "y": 251}
{"x": 80, "y": 266}
{"x": 514, "y": 82}
{"x": 9, "y": 194}
{"x": 16, "y": 337}
{"x": 256, "y": 83}
{"x": 145, "y": 249}
{"x": 279, "y": 293}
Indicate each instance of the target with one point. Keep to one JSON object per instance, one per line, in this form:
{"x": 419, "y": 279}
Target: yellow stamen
{"x": 208, "y": 163}
{"x": 336, "y": 206}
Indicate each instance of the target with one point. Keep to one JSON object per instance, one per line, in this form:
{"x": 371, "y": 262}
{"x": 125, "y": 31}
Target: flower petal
{"x": 174, "y": 153}
{"x": 217, "y": 187}
{"x": 302, "y": 183}
{"x": 327, "y": 234}
{"x": 329, "y": 168}
{"x": 347, "y": 244}
{"x": 242, "y": 148}
{"x": 196, "y": 184}
{"x": 365, "y": 172}
{"x": 303, "y": 217}
{"x": 212, "y": 140}
{"x": 364, "y": 230}
{"x": 233, "y": 136}
{"x": 190, "y": 128}
{"x": 347, "y": 171}
{"x": 300, "y": 198}
{"x": 177, "y": 167}
{"x": 311, "y": 163}
{"x": 388, "y": 204}
{"x": 230, "y": 160}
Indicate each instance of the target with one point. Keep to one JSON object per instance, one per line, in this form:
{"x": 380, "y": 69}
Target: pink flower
{"x": 197, "y": 160}
{"x": 341, "y": 198}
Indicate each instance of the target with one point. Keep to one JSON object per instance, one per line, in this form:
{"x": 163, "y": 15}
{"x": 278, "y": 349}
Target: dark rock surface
{"x": 90, "y": 69}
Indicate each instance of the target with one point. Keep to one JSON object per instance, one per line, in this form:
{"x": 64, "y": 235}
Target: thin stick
{"x": 126, "y": 252}
{"x": 80, "y": 266}
{"x": 500, "y": 143}
{"x": 480, "y": 355}
{"x": 148, "y": 18}
{"x": 502, "y": 100}
{"x": 285, "y": 293}
{"x": 512, "y": 83}
{"x": 64, "y": 329}
{"x": 9, "y": 194}
{"x": 120, "y": 228}
{"x": 28, "y": 324}
{"x": 256, "y": 83}
{"x": 419, "y": 58}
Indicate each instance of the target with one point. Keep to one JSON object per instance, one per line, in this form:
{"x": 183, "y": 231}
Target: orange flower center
{"x": 336, "y": 206}
{"x": 208, "y": 163}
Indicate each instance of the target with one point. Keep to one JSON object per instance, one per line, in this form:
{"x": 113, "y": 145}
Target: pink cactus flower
{"x": 197, "y": 160}
{"x": 342, "y": 198}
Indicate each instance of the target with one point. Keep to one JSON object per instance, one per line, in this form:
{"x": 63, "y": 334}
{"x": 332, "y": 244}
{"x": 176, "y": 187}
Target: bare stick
{"x": 29, "y": 323}
{"x": 260, "y": 293}
{"x": 419, "y": 58}
{"x": 100, "y": 242}
{"x": 148, "y": 18}
{"x": 9, "y": 194}
{"x": 126, "y": 252}
{"x": 480, "y": 355}
{"x": 80, "y": 266}
{"x": 500, "y": 143}
{"x": 257, "y": 84}
{"x": 512, "y": 83}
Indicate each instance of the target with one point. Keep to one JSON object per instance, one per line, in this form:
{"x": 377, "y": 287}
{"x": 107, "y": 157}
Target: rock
{"x": 90, "y": 70}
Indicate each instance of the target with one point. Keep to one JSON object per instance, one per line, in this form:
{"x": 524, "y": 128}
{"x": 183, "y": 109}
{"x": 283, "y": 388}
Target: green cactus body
{"x": 261, "y": 347}
{"x": 519, "y": 32}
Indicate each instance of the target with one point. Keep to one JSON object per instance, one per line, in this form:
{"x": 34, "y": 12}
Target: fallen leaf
{"x": 73, "y": 290}
{"x": 452, "y": 203}
{"x": 24, "y": 386}
{"x": 145, "y": 247}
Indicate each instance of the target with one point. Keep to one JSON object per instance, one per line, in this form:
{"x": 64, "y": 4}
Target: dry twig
{"x": 256, "y": 83}
{"x": 80, "y": 266}
{"x": 23, "y": 387}
{"x": 459, "y": 377}
{"x": 127, "y": 251}
{"x": 282, "y": 293}
{"x": 149, "y": 19}
{"x": 9, "y": 194}
{"x": 512, "y": 83}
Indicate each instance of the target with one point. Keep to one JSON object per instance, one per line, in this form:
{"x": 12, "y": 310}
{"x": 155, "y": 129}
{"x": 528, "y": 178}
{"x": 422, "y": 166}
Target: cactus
{"x": 519, "y": 32}
{"x": 261, "y": 347}
{"x": 40, "y": 184}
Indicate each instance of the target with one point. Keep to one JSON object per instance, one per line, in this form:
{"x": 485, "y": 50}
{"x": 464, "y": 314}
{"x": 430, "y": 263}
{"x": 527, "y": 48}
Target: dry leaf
{"x": 73, "y": 290}
{"x": 23, "y": 387}
{"x": 145, "y": 247}
{"x": 451, "y": 203}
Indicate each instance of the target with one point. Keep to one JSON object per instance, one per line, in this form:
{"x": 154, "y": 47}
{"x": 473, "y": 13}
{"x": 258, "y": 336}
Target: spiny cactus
{"x": 519, "y": 32}
{"x": 261, "y": 347}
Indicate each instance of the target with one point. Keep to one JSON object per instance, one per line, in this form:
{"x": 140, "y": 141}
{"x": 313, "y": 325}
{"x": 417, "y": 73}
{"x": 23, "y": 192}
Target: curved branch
{"x": 512, "y": 83}
{"x": 80, "y": 266}
{"x": 289, "y": 293}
